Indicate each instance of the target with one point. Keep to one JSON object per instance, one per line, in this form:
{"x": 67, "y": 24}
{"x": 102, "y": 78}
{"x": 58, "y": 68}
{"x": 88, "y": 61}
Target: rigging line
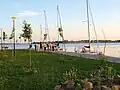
{"x": 57, "y": 23}
{"x": 46, "y": 26}
{"x": 59, "y": 16}
{"x": 105, "y": 42}
{"x": 94, "y": 26}
{"x": 41, "y": 33}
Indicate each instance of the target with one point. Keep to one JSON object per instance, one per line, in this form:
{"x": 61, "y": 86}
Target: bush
{"x": 103, "y": 75}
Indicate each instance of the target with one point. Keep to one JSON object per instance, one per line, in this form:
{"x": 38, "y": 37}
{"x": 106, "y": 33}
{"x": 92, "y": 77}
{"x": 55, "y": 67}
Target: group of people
{"x": 49, "y": 46}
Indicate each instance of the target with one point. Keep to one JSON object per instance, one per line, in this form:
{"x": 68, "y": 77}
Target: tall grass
{"x": 48, "y": 69}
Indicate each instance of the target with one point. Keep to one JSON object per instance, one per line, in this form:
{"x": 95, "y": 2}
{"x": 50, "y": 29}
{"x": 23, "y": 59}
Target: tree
{"x": 4, "y": 37}
{"x": 27, "y": 35}
{"x": 27, "y": 31}
{"x": 12, "y": 34}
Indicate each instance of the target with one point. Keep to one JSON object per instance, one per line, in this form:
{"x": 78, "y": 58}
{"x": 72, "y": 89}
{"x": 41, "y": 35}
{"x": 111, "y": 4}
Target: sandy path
{"x": 91, "y": 56}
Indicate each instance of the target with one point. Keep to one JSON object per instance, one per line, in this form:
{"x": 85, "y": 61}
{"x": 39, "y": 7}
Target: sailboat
{"x": 88, "y": 27}
{"x": 46, "y": 34}
{"x": 60, "y": 29}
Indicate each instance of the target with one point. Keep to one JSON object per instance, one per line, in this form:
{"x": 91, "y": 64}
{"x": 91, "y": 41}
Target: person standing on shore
{"x": 44, "y": 46}
{"x": 52, "y": 46}
{"x": 47, "y": 45}
{"x": 35, "y": 47}
{"x": 41, "y": 45}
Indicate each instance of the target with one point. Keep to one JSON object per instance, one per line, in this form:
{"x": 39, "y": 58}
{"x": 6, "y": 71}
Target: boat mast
{"x": 58, "y": 22}
{"x": 59, "y": 17}
{"x": 41, "y": 33}
{"x": 88, "y": 22}
{"x": 105, "y": 42}
{"x": 60, "y": 25}
{"x": 46, "y": 26}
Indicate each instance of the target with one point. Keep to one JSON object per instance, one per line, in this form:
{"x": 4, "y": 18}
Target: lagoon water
{"x": 112, "y": 49}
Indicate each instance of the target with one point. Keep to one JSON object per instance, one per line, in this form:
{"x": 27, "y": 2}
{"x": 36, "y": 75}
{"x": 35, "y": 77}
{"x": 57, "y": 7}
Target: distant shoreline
{"x": 84, "y": 41}
{"x": 76, "y": 42}
{"x": 59, "y": 42}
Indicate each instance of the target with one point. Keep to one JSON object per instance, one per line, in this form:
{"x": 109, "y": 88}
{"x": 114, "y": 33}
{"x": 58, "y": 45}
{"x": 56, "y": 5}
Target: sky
{"x": 106, "y": 14}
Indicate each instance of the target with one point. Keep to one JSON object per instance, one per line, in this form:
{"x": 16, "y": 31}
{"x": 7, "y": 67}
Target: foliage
{"x": 4, "y": 36}
{"x": 20, "y": 37}
{"x": 104, "y": 75}
{"x": 27, "y": 31}
{"x": 12, "y": 35}
{"x": 27, "y": 34}
{"x": 72, "y": 77}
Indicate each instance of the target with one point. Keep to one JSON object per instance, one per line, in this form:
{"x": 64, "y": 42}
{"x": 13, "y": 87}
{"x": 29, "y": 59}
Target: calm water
{"x": 112, "y": 49}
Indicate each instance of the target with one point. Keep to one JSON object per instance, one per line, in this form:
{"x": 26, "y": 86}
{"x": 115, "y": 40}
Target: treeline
{"x": 84, "y": 41}
{"x": 93, "y": 41}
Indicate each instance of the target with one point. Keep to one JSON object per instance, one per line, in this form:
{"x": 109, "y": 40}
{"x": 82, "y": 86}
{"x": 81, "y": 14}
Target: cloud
{"x": 27, "y": 13}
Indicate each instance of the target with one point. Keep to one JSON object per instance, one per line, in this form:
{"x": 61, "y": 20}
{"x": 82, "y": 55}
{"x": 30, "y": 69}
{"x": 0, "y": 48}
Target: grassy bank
{"x": 48, "y": 69}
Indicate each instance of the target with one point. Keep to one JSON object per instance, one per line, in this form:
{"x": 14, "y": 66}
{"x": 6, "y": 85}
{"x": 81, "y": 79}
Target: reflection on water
{"x": 112, "y": 49}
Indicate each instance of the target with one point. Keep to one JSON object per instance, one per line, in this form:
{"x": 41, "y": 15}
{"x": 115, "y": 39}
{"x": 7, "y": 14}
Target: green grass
{"x": 49, "y": 67}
